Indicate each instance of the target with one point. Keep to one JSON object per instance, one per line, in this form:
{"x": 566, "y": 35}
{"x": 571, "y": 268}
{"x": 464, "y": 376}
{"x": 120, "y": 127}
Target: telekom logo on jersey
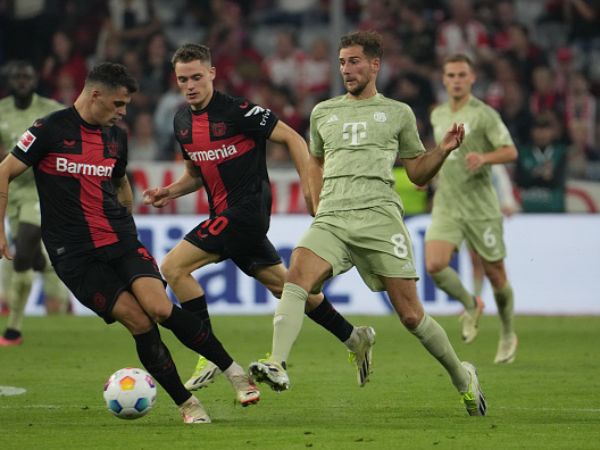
{"x": 63, "y": 165}
{"x": 354, "y": 131}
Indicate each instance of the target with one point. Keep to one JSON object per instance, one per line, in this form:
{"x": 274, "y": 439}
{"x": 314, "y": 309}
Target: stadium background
{"x": 535, "y": 63}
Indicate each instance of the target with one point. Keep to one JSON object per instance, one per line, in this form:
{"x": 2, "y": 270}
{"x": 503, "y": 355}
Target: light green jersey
{"x": 360, "y": 140}
{"x": 13, "y": 123}
{"x": 460, "y": 193}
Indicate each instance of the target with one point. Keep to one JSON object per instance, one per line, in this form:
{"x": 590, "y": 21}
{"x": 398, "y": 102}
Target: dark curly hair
{"x": 113, "y": 76}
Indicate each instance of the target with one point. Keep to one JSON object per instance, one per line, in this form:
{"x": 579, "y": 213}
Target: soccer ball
{"x": 130, "y": 393}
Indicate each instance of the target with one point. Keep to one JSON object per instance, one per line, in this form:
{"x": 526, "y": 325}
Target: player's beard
{"x": 23, "y": 99}
{"x": 358, "y": 88}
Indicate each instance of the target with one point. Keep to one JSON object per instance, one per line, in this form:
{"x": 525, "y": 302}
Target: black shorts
{"x": 97, "y": 278}
{"x": 238, "y": 237}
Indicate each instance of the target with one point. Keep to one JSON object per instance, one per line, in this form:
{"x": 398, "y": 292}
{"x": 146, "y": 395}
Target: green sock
{"x": 6, "y": 273}
{"x": 448, "y": 281}
{"x": 18, "y": 293}
{"x": 505, "y": 304}
{"x": 287, "y": 320}
{"x": 435, "y": 340}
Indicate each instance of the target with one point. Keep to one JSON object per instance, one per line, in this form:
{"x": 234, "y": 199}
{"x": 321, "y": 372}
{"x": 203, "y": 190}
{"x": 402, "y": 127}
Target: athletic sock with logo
{"x": 330, "y": 319}
{"x": 287, "y": 320}
{"x": 505, "y": 303}
{"x": 198, "y": 307}
{"x": 18, "y": 294}
{"x": 156, "y": 359}
{"x": 435, "y": 340}
{"x": 197, "y": 336}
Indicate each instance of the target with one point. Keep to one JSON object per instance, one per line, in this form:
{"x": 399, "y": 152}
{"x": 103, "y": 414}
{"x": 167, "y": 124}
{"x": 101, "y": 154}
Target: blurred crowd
{"x": 535, "y": 62}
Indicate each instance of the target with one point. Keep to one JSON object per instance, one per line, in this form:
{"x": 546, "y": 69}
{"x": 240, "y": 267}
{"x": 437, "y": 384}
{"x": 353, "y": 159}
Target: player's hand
{"x": 453, "y": 137}
{"x": 474, "y": 161}
{"x": 508, "y": 211}
{"x": 157, "y": 197}
{"x": 5, "y": 248}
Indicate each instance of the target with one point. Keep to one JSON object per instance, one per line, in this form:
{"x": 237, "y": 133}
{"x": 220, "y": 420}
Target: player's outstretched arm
{"x": 10, "y": 168}
{"x": 296, "y": 145}
{"x": 424, "y": 167}
{"x": 190, "y": 181}
{"x": 501, "y": 155}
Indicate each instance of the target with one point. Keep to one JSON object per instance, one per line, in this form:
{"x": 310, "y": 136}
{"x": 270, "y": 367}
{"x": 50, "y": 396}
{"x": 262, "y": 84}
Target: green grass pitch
{"x": 548, "y": 398}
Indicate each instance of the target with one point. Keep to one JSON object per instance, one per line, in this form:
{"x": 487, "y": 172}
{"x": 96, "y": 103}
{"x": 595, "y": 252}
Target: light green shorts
{"x": 26, "y": 211}
{"x": 374, "y": 240}
{"x": 484, "y": 236}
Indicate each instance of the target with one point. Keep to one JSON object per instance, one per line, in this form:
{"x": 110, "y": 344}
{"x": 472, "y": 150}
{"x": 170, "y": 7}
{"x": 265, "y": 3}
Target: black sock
{"x": 12, "y": 334}
{"x": 156, "y": 359}
{"x": 197, "y": 337}
{"x": 197, "y": 306}
{"x": 328, "y": 317}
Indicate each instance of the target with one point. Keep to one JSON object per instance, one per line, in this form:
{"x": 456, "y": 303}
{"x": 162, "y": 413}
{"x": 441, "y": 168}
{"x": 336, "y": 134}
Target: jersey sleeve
{"x": 316, "y": 142}
{"x": 179, "y": 143}
{"x": 184, "y": 154}
{"x": 121, "y": 165}
{"x": 34, "y": 143}
{"x": 253, "y": 119}
{"x": 496, "y": 132}
{"x": 409, "y": 142}
{"x": 181, "y": 129}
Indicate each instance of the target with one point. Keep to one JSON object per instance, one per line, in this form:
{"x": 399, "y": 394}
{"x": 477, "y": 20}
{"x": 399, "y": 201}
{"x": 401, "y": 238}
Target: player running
{"x": 355, "y": 139}
{"x": 465, "y": 205}
{"x": 223, "y": 142}
{"x": 17, "y": 112}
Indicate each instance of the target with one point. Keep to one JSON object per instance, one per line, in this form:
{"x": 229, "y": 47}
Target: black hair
{"x": 113, "y": 76}
{"x": 19, "y": 64}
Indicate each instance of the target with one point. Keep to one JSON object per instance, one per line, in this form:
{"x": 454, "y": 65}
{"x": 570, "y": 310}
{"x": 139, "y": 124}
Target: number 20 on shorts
{"x": 213, "y": 226}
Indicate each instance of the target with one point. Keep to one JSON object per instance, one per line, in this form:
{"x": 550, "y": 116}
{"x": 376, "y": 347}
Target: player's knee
{"x": 297, "y": 275}
{"x": 171, "y": 272}
{"x": 411, "y": 319}
{"x": 159, "y": 311}
{"x": 140, "y": 323}
{"x": 276, "y": 290}
{"x": 497, "y": 280}
{"x": 133, "y": 317}
{"x": 496, "y": 274}
{"x": 433, "y": 265}
{"x": 313, "y": 301}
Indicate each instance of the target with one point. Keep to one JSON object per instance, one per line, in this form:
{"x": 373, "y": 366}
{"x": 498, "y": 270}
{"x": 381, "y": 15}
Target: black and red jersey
{"x": 227, "y": 142}
{"x": 74, "y": 164}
